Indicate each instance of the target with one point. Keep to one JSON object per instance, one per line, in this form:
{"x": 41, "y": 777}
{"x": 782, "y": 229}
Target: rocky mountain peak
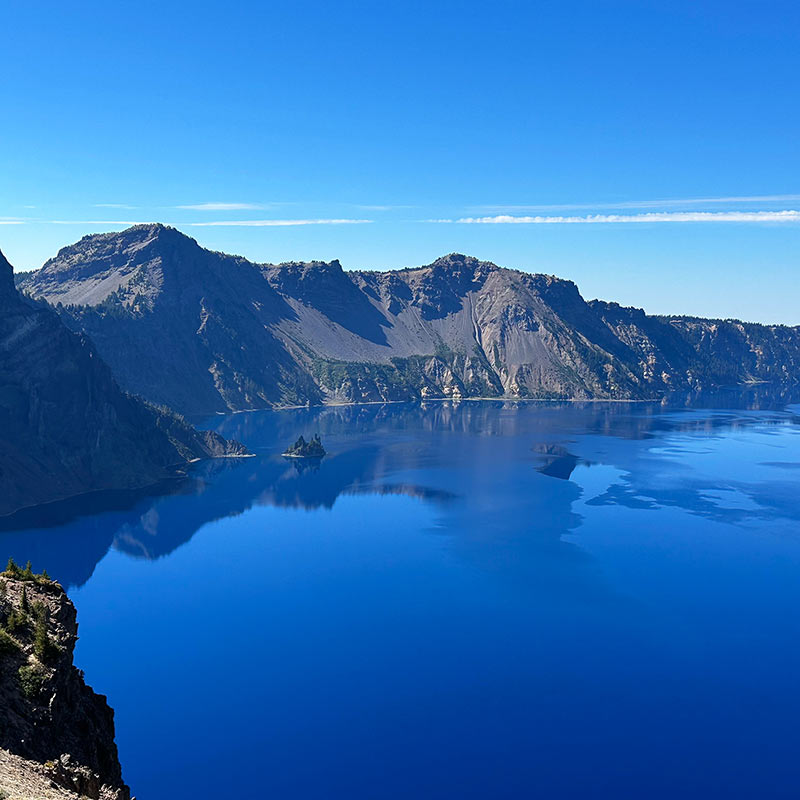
{"x": 105, "y": 250}
{"x": 453, "y": 259}
{"x": 90, "y": 271}
{"x": 149, "y": 232}
{"x": 458, "y": 262}
{"x": 301, "y": 278}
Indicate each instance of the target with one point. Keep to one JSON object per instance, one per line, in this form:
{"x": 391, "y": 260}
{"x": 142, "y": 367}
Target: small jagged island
{"x": 56, "y": 734}
{"x": 306, "y": 449}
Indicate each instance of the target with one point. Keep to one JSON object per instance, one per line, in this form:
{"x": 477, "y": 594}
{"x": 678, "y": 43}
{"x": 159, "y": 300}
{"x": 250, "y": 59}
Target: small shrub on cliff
{"x": 12, "y": 570}
{"x": 24, "y": 605}
{"x": 31, "y": 680}
{"x": 43, "y": 646}
{"x": 7, "y": 644}
{"x": 17, "y": 621}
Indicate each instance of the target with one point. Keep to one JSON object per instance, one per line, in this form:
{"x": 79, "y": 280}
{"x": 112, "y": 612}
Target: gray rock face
{"x": 183, "y": 326}
{"x": 202, "y": 331}
{"x": 49, "y": 715}
{"x": 65, "y": 425}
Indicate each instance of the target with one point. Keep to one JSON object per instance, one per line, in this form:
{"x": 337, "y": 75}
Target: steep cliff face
{"x": 681, "y": 352}
{"x": 516, "y": 334}
{"x": 65, "y": 426}
{"x": 49, "y": 717}
{"x": 237, "y": 335}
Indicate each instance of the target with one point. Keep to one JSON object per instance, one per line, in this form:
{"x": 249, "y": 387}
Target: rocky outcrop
{"x": 305, "y": 449}
{"x": 695, "y": 353}
{"x": 65, "y": 425}
{"x": 239, "y": 335}
{"x": 55, "y": 732}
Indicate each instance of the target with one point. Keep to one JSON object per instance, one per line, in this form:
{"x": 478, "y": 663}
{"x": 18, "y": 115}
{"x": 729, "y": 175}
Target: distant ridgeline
{"x": 203, "y": 332}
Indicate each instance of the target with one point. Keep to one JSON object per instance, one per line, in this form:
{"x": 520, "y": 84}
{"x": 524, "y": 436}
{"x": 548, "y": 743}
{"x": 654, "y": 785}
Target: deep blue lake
{"x": 462, "y": 600}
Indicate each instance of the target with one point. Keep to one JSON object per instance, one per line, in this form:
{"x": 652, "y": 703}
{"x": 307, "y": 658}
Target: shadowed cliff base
{"x": 66, "y": 427}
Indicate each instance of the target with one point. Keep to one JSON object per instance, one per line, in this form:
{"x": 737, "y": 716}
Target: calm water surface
{"x": 475, "y": 600}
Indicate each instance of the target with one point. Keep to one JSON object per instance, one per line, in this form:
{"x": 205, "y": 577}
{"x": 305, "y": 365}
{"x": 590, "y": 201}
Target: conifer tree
{"x": 42, "y": 646}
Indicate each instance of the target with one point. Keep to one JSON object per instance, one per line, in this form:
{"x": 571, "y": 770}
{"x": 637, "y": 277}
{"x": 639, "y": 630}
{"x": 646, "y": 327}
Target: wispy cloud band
{"x": 660, "y": 216}
{"x": 631, "y": 204}
{"x": 222, "y": 207}
{"x": 277, "y": 223}
{"x": 125, "y": 222}
{"x": 240, "y": 223}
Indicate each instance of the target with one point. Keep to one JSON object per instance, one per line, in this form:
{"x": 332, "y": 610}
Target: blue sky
{"x": 418, "y": 128}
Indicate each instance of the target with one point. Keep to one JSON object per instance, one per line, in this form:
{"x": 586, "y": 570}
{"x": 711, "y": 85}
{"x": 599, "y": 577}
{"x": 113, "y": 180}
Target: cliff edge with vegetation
{"x": 56, "y": 733}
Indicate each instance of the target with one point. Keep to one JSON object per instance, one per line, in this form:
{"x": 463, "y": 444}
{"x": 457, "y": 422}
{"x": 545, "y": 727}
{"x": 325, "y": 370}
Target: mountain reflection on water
{"x": 462, "y": 457}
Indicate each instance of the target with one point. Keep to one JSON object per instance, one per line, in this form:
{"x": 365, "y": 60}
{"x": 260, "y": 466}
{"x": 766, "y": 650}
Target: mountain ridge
{"x": 235, "y": 334}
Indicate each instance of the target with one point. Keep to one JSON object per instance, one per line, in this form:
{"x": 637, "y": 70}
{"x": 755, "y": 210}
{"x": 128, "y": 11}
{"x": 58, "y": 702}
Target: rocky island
{"x": 306, "y": 449}
{"x": 56, "y": 733}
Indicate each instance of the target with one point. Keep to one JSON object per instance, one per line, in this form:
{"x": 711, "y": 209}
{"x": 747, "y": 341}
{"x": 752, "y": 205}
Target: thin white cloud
{"x": 245, "y": 223}
{"x": 113, "y": 205}
{"x": 662, "y": 216}
{"x": 278, "y": 223}
{"x": 668, "y": 203}
{"x": 222, "y": 207}
{"x": 126, "y": 223}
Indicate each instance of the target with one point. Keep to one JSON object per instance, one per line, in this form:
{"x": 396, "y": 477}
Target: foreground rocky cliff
{"x": 65, "y": 425}
{"x": 56, "y": 734}
{"x": 235, "y": 335}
